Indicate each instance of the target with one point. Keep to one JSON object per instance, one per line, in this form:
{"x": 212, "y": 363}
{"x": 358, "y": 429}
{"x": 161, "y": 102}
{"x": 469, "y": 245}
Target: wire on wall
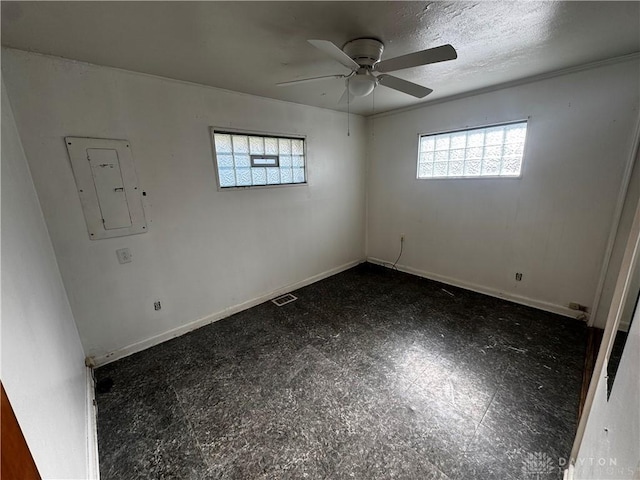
{"x": 399, "y": 255}
{"x": 393, "y": 265}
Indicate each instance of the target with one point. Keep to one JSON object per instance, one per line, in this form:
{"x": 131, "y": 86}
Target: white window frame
{"x": 469, "y": 129}
{"x": 235, "y": 131}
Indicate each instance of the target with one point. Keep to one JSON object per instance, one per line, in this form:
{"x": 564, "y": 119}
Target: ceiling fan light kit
{"x": 362, "y": 84}
{"x": 363, "y": 56}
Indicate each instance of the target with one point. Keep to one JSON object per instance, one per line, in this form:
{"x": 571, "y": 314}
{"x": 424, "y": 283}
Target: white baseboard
{"x": 530, "y": 302}
{"x": 93, "y": 463}
{"x": 176, "y": 332}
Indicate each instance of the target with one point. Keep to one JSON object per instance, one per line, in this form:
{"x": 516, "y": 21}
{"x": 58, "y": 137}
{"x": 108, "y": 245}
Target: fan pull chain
{"x": 373, "y": 101}
{"x": 348, "y": 109}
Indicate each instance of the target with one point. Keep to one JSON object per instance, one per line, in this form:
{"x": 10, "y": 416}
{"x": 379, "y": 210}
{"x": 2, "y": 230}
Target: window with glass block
{"x": 248, "y": 160}
{"x": 494, "y": 151}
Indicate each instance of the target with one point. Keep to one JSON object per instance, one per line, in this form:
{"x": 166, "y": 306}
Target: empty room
{"x": 321, "y": 240}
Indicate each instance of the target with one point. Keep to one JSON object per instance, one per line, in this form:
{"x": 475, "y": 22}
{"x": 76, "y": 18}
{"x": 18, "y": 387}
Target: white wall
{"x": 610, "y": 448}
{"x": 206, "y": 251}
{"x": 43, "y": 368}
{"x": 552, "y": 224}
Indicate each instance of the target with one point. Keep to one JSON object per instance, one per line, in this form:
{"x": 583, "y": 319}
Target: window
{"x": 249, "y": 160}
{"x": 494, "y": 151}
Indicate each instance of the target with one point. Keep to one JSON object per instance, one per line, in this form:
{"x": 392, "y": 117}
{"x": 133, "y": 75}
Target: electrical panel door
{"x": 107, "y": 186}
{"x": 107, "y": 178}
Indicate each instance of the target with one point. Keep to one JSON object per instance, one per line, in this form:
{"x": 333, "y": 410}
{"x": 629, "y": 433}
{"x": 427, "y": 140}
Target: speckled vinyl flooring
{"x": 370, "y": 374}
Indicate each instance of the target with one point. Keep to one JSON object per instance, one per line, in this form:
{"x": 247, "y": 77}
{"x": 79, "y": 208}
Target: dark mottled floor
{"x": 370, "y": 374}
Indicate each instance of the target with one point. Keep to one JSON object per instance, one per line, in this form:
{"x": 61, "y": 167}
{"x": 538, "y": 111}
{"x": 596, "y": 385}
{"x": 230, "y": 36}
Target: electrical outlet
{"x": 518, "y": 277}
{"x": 124, "y": 255}
{"x": 156, "y": 305}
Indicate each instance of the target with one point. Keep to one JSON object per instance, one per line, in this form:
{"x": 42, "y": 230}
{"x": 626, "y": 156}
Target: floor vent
{"x": 284, "y": 299}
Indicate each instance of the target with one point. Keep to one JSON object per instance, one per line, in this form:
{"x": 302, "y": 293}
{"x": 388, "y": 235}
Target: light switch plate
{"x": 124, "y": 255}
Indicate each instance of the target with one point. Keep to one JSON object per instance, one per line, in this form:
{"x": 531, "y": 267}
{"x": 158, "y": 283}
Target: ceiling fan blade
{"x": 424, "y": 57}
{"x": 333, "y": 51}
{"x": 345, "y": 95}
{"x": 404, "y": 86}
{"x": 307, "y": 80}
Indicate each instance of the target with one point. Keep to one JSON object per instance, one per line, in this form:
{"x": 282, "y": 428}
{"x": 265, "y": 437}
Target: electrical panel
{"x": 108, "y": 186}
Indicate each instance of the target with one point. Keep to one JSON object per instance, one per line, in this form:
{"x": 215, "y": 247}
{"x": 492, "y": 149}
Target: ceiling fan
{"x": 363, "y": 57}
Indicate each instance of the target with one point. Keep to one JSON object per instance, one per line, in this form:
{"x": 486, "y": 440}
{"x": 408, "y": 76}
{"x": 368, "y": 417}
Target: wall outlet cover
{"x": 124, "y": 255}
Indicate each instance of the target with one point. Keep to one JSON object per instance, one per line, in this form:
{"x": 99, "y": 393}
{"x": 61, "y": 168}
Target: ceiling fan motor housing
{"x": 364, "y": 51}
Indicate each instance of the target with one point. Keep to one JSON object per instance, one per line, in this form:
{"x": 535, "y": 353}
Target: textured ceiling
{"x": 251, "y": 46}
